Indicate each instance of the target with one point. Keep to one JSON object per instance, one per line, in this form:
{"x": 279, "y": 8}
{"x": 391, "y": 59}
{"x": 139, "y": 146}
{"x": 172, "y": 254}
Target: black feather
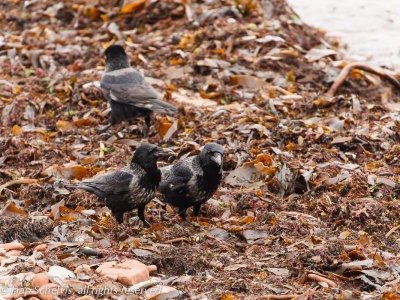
{"x": 131, "y": 187}
{"x": 128, "y": 93}
{"x": 193, "y": 180}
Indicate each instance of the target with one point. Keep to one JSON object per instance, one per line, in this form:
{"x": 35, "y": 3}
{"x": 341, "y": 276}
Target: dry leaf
{"x": 64, "y": 125}
{"x": 12, "y": 209}
{"x": 74, "y": 172}
{"x": 16, "y": 130}
{"x": 134, "y": 6}
{"x": 165, "y": 125}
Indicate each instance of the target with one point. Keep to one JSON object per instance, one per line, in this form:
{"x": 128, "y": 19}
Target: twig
{"x": 278, "y": 296}
{"x": 346, "y": 70}
{"x": 176, "y": 241}
{"x": 391, "y": 231}
{"x": 17, "y": 181}
{"x": 321, "y": 279}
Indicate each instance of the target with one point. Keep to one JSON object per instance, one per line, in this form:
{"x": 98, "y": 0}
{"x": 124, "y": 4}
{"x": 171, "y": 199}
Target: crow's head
{"x": 146, "y": 155}
{"x": 116, "y": 58}
{"x": 212, "y": 155}
{"x": 115, "y": 51}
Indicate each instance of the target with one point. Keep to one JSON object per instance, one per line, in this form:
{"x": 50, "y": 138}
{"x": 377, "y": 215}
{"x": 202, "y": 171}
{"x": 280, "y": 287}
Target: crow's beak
{"x": 164, "y": 152}
{"x": 217, "y": 158}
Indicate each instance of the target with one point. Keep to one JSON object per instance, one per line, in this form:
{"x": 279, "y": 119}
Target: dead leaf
{"x": 16, "y": 130}
{"x": 73, "y": 172}
{"x": 11, "y": 209}
{"x": 172, "y": 129}
{"x": 188, "y": 97}
{"x": 165, "y": 125}
{"x": 344, "y": 235}
{"x": 134, "y": 6}
{"x": 247, "y": 81}
{"x": 84, "y": 122}
{"x": 64, "y": 125}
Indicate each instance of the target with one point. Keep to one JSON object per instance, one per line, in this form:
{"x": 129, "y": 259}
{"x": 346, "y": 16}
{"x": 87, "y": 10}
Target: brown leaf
{"x": 12, "y": 209}
{"x": 165, "y": 125}
{"x": 74, "y": 172}
{"x": 247, "y": 81}
{"x": 134, "y": 6}
{"x": 16, "y": 130}
{"x": 84, "y": 122}
{"x": 64, "y": 125}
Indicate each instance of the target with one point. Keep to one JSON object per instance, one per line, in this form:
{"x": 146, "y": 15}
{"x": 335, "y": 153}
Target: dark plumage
{"x": 127, "y": 91}
{"x": 132, "y": 186}
{"x": 193, "y": 180}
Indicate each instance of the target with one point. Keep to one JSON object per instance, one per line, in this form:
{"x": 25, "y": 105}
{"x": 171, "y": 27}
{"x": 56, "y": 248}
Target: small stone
{"x": 85, "y": 298}
{"x": 83, "y": 268}
{"x": 4, "y": 279}
{"x": 49, "y": 291}
{"x": 40, "y": 248}
{"x": 12, "y": 253}
{"x": 129, "y": 272}
{"x": 40, "y": 279}
{"x": 218, "y": 234}
{"x": 60, "y": 273}
{"x": 12, "y": 246}
{"x": 160, "y": 292}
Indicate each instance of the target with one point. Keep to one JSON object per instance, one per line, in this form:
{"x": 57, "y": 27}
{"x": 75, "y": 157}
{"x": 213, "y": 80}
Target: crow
{"x": 128, "y": 93}
{"x": 132, "y": 186}
{"x": 192, "y": 180}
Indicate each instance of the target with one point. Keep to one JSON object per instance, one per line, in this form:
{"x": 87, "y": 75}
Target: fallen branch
{"x": 346, "y": 70}
{"x": 176, "y": 241}
{"x": 321, "y": 279}
{"x": 391, "y": 231}
{"x": 18, "y": 181}
{"x": 278, "y": 296}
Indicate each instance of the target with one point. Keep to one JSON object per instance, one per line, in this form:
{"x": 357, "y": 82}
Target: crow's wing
{"x": 175, "y": 178}
{"x": 128, "y": 86}
{"x": 115, "y": 183}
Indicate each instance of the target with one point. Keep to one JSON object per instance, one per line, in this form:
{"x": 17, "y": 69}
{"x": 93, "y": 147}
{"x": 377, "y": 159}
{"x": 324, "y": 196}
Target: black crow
{"x": 127, "y": 91}
{"x": 193, "y": 180}
{"x": 130, "y": 187}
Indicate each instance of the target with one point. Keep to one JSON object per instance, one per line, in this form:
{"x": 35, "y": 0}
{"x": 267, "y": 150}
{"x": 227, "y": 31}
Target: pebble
{"x": 83, "y": 268}
{"x": 40, "y": 279}
{"x": 49, "y": 291}
{"x": 40, "y": 248}
{"x": 60, "y": 272}
{"x": 12, "y": 246}
{"x": 159, "y": 292}
{"x": 129, "y": 272}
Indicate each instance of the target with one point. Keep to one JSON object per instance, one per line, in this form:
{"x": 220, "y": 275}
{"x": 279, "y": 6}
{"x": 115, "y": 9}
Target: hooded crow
{"x": 193, "y": 180}
{"x": 132, "y": 186}
{"x": 128, "y": 93}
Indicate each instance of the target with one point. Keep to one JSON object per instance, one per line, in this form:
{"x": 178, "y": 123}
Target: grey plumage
{"x": 127, "y": 91}
{"x": 132, "y": 186}
{"x": 193, "y": 180}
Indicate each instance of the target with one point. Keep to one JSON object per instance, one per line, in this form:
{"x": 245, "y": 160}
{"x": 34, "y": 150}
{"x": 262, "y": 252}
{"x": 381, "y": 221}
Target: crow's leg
{"x": 147, "y": 119}
{"x": 183, "y": 215}
{"x": 120, "y": 219}
{"x": 141, "y": 216}
{"x": 196, "y": 211}
{"x": 105, "y": 128}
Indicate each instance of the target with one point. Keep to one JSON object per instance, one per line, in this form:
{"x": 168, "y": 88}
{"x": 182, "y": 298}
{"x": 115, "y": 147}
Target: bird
{"x": 127, "y": 91}
{"x": 132, "y": 186}
{"x": 192, "y": 180}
